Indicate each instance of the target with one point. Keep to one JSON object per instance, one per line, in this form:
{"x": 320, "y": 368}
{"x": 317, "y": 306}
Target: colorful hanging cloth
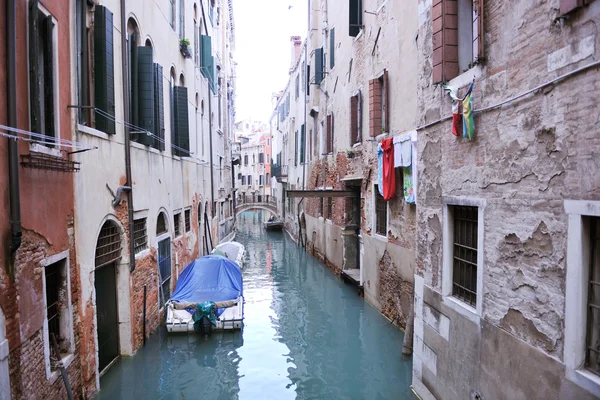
{"x": 467, "y": 113}
{"x": 389, "y": 175}
{"x": 409, "y": 192}
{"x": 380, "y": 169}
{"x": 456, "y": 118}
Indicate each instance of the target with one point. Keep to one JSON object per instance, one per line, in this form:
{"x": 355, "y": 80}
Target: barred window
{"x": 176, "y": 223}
{"x": 380, "y": 213}
{"x": 592, "y": 359}
{"x": 53, "y": 283}
{"x": 464, "y": 253}
{"x": 140, "y": 237}
{"x": 188, "y": 220}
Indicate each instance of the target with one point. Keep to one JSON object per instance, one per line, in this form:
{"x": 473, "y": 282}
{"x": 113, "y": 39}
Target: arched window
{"x": 108, "y": 247}
{"x": 246, "y": 159}
{"x": 181, "y": 80}
{"x": 161, "y": 224}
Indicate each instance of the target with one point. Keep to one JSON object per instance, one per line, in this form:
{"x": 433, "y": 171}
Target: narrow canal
{"x": 306, "y": 335}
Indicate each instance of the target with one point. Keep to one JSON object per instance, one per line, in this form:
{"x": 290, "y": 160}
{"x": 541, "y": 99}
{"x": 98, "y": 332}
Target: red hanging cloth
{"x": 389, "y": 176}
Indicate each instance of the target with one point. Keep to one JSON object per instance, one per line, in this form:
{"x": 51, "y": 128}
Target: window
{"x": 42, "y": 63}
{"x": 261, "y": 158}
{"x": 592, "y": 359}
{"x": 181, "y": 135}
{"x": 164, "y": 269}
{"x": 188, "y": 220}
{"x": 355, "y": 17}
{"x": 331, "y": 48}
{"x": 181, "y": 17}
{"x": 308, "y": 80}
{"x": 140, "y": 237}
{"x": 457, "y": 37}
{"x": 356, "y": 118}
{"x": 319, "y": 66}
{"x": 260, "y": 180}
{"x": 378, "y": 101}
{"x": 321, "y": 206}
{"x": 464, "y": 253}
{"x": 243, "y": 180}
{"x": 267, "y": 179}
{"x": 329, "y": 137}
{"x": 380, "y": 213}
{"x": 296, "y": 147}
{"x": 253, "y": 159}
{"x": 161, "y": 224}
{"x": 207, "y": 60}
{"x": 249, "y": 180}
{"x": 329, "y": 213}
{"x": 196, "y": 43}
{"x": 59, "y": 316}
{"x": 171, "y": 11}
{"x": 239, "y": 176}
{"x": 176, "y": 223}
{"x": 246, "y": 159}
{"x": 302, "y": 143}
{"x": 297, "y": 87}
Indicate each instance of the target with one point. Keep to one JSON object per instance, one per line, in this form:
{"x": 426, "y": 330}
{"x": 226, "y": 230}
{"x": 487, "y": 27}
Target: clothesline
{"x": 38, "y": 137}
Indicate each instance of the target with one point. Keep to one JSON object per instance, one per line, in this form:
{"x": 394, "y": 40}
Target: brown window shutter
{"x": 374, "y": 107}
{"x": 445, "y": 40}
{"x": 353, "y": 119}
{"x": 478, "y": 48}
{"x": 329, "y": 134}
{"x": 566, "y": 6}
{"x": 385, "y": 119}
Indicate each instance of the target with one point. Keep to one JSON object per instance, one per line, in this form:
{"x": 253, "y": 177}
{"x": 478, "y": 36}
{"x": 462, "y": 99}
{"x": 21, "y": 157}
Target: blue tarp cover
{"x": 209, "y": 278}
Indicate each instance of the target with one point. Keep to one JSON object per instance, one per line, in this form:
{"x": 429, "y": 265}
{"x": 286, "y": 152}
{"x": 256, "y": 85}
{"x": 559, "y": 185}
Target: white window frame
{"x": 374, "y": 217}
{"x": 577, "y": 284}
{"x": 474, "y": 314}
{"x": 66, "y": 318}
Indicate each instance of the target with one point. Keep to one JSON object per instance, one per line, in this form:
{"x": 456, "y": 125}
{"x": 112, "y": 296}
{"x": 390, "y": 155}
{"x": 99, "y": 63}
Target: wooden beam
{"x": 322, "y": 193}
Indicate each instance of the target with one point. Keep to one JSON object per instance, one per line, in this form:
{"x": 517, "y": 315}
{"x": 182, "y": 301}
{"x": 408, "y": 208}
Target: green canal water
{"x": 306, "y": 335}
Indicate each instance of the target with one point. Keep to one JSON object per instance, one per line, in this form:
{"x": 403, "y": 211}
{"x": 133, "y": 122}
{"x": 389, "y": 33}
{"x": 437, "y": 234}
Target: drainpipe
{"x": 13, "y": 150}
{"x": 210, "y": 136}
{"x": 126, "y": 132}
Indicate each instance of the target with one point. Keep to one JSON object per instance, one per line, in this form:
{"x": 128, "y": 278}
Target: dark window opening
{"x": 329, "y": 208}
{"x": 161, "y": 224}
{"x": 176, "y": 224}
{"x": 53, "y": 286}
{"x": 356, "y": 118}
{"x": 188, "y": 220}
{"x": 464, "y": 253}
{"x": 592, "y": 359}
{"x": 140, "y": 237}
{"x": 380, "y": 213}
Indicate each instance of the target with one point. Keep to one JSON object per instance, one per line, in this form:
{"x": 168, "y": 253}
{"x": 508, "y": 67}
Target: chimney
{"x": 296, "y": 47}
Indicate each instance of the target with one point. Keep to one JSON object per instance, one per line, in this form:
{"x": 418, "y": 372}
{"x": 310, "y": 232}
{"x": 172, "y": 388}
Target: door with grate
{"x": 164, "y": 269}
{"x": 106, "y": 311}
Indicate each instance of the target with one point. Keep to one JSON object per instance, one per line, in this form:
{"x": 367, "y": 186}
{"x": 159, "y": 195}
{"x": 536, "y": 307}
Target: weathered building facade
{"x": 123, "y": 175}
{"x": 253, "y": 174}
{"x": 349, "y": 89}
{"x": 506, "y": 291}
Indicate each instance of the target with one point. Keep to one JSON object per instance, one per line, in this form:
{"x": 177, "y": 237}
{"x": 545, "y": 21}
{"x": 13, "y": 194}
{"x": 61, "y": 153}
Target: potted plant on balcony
{"x": 184, "y": 47}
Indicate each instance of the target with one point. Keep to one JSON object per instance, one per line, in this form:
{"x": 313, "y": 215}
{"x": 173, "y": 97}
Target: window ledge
{"x": 176, "y": 157}
{"x": 93, "y": 132}
{"x": 66, "y": 361}
{"x": 466, "y": 77}
{"x": 138, "y": 145}
{"x": 142, "y": 254}
{"x": 462, "y": 308}
{"x": 40, "y": 148}
{"x": 357, "y": 144}
{"x": 585, "y": 379}
{"x": 381, "y": 238}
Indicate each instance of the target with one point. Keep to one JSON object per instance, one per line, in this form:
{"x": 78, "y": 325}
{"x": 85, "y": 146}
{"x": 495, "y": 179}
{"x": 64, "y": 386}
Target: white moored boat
{"x": 208, "y": 296}
{"x": 232, "y": 250}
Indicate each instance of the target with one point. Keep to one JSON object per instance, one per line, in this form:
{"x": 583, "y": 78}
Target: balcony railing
{"x": 279, "y": 171}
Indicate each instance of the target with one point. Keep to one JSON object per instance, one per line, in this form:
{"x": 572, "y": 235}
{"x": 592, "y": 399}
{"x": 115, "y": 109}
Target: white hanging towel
{"x": 402, "y": 150}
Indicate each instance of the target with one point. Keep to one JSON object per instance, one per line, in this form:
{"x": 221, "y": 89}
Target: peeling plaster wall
{"x": 525, "y": 159}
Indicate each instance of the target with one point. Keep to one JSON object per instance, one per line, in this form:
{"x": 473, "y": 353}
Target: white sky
{"x": 263, "y": 51}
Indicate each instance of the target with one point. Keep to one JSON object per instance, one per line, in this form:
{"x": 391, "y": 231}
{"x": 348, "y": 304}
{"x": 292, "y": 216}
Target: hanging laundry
{"x": 467, "y": 113}
{"x": 380, "y": 169}
{"x": 409, "y": 192}
{"x": 456, "y": 118}
{"x": 389, "y": 175}
{"x": 402, "y": 150}
{"x": 397, "y": 152}
{"x": 414, "y": 166}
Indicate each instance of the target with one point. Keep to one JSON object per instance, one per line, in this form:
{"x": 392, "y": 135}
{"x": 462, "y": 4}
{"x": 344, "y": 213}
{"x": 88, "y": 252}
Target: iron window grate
{"x": 53, "y": 299}
{"x": 140, "y": 237}
{"x": 108, "y": 248}
{"x": 592, "y": 359}
{"x": 380, "y": 213}
{"x": 177, "y": 224}
{"x": 188, "y": 220}
{"x": 464, "y": 256}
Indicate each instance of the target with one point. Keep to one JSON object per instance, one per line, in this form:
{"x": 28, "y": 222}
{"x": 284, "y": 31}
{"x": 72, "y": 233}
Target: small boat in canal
{"x": 273, "y": 225}
{"x": 208, "y": 297}
{"x": 232, "y": 250}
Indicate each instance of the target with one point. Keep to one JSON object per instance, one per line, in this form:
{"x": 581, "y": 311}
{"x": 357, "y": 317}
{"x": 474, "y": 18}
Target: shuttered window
{"x": 207, "y": 61}
{"x": 379, "y": 116}
{"x": 355, "y": 17}
{"x": 296, "y": 148}
{"x": 302, "y": 143}
{"x": 308, "y": 80}
{"x": 181, "y": 135}
{"x": 331, "y": 48}
{"x": 145, "y": 98}
{"x": 104, "y": 69}
{"x": 356, "y": 118}
{"x": 41, "y": 71}
{"x": 318, "y": 65}
{"x": 329, "y": 137}
{"x": 457, "y": 37}
{"x": 159, "y": 109}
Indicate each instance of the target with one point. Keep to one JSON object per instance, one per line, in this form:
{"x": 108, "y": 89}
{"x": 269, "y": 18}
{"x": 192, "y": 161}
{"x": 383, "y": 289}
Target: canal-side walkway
{"x": 307, "y": 335}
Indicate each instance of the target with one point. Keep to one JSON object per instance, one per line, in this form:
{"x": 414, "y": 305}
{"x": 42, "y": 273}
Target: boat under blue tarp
{"x": 209, "y": 278}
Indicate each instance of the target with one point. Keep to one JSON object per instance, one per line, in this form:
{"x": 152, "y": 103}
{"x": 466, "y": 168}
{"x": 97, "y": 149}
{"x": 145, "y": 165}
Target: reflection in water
{"x": 306, "y": 336}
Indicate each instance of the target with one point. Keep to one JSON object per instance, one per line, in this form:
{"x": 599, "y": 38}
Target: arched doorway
{"x": 163, "y": 239}
{"x": 108, "y": 253}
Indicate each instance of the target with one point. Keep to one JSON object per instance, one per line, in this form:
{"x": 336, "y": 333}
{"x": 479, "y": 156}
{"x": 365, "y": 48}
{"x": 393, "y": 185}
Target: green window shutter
{"x": 104, "y": 69}
{"x": 182, "y": 128}
{"x": 331, "y": 48}
{"x": 34, "y": 68}
{"x": 355, "y": 17}
{"x": 318, "y": 65}
{"x": 47, "y": 27}
{"x": 159, "y": 109}
{"x": 302, "y": 141}
{"x": 145, "y": 74}
{"x": 205, "y": 59}
{"x": 134, "y": 116}
{"x": 308, "y": 79}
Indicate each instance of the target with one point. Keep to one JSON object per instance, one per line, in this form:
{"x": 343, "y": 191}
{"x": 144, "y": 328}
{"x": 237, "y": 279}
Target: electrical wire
{"x": 38, "y": 137}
